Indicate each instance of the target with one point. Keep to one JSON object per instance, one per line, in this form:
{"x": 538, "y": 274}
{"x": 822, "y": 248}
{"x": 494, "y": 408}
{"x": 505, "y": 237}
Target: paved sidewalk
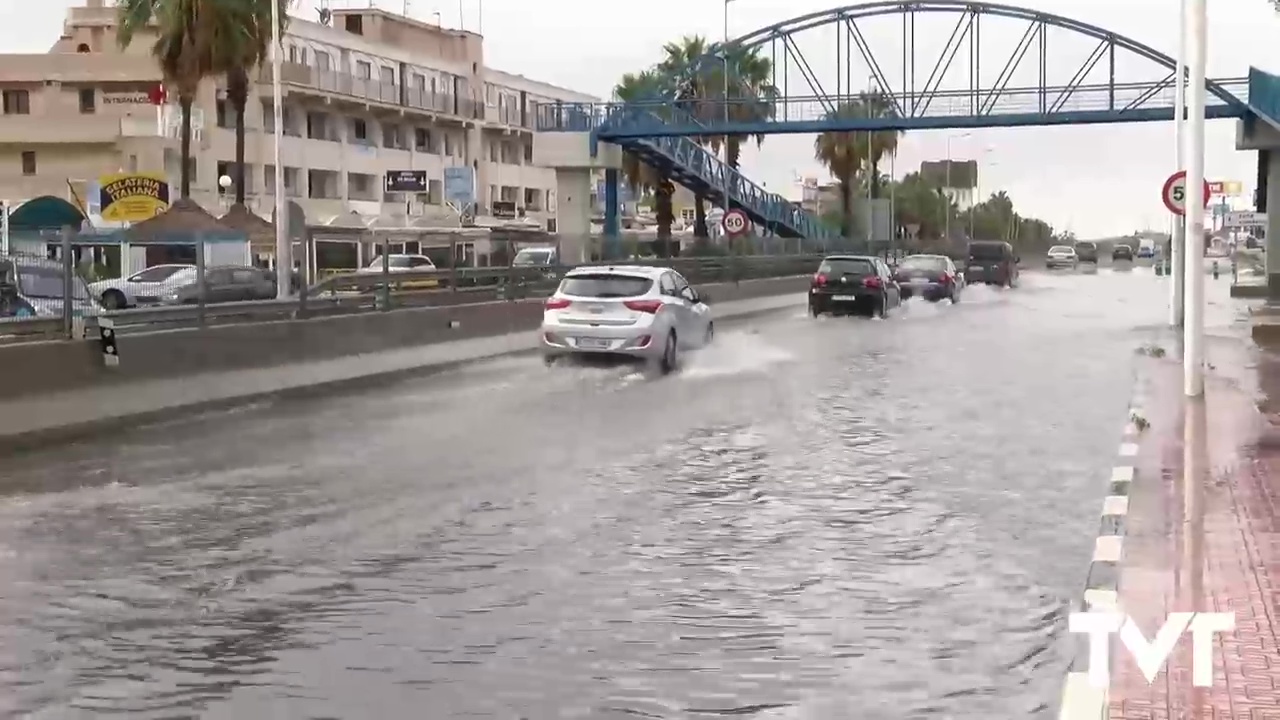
{"x": 41, "y": 418}
{"x": 1206, "y": 540}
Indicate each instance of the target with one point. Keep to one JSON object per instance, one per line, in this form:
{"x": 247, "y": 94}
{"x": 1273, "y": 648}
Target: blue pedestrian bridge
{"x": 824, "y": 66}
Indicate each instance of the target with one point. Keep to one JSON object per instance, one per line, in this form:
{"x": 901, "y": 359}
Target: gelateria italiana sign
{"x": 133, "y": 197}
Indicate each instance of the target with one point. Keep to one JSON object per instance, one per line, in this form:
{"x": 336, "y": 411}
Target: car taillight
{"x": 819, "y": 279}
{"x": 946, "y": 278}
{"x": 871, "y": 282}
{"x": 645, "y": 306}
{"x": 556, "y": 304}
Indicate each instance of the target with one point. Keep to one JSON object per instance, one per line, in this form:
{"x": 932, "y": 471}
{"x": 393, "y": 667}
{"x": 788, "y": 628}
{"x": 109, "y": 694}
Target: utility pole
{"x": 1193, "y": 260}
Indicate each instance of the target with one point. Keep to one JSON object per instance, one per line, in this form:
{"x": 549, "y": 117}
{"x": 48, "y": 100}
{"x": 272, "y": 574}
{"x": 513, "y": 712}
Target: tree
{"x": 639, "y": 87}
{"x": 240, "y": 51}
{"x": 680, "y": 72}
{"x": 843, "y": 154}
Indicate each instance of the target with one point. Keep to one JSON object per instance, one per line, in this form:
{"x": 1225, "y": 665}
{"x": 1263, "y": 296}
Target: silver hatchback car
{"x": 626, "y": 311}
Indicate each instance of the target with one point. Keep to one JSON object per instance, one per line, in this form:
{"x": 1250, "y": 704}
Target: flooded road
{"x": 826, "y": 519}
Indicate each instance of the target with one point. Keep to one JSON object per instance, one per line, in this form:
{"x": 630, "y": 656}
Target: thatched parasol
{"x": 183, "y": 223}
{"x": 261, "y": 233}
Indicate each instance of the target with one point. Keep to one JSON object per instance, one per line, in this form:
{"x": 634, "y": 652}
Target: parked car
{"x": 539, "y": 256}
{"x": 932, "y": 277}
{"x": 1061, "y": 256}
{"x": 225, "y": 283}
{"x": 1146, "y": 250}
{"x": 402, "y": 263}
{"x": 35, "y": 287}
{"x": 142, "y": 288}
{"x": 1087, "y": 251}
{"x": 992, "y": 262}
{"x": 1122, "y": 253}
{"x": 635, "y": 312}
{"x": 853, "y": 283}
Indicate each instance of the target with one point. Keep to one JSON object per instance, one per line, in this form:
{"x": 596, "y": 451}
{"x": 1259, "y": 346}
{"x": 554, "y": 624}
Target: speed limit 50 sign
{"x": 1174, "y": 193}
{"x": 735, "y": 222}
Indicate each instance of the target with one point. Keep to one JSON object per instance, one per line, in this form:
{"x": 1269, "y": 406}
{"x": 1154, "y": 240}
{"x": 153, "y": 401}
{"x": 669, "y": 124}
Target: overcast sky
{"x": 1096, "y": 181}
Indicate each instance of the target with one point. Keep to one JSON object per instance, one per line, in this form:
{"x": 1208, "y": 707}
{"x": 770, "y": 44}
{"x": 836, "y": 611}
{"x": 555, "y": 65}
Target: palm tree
{"x": 882, "y": 143}
{"x": 182, "y": 49}
{"x": 639, "y": 87}
{"x": 751, "y": 96}
{"x": 239, "y": 52}
{"x": 681, "y": 68}
{"x": 844, "y": 154}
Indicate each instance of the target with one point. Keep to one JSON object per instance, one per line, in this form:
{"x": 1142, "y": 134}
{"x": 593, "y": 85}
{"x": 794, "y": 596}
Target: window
{"x": 323, "y": 62}
{"x": 666, "y": 285}
{"x": 82, "y": 48}
{"x": 359, "y": 130}
{"x": 364, "y": 70}
{"x": 388, "y": 75}
{"x": 924, "y": 262}
{"x": 603, "y": 285}
{"x": 17, "y": 102}
{"x": 847, "y": 266}
{"x": 421, "y": 140}
{"x": 157, "y": 274}
{"x": 391, "y": 136}
{"x": 39, "y": 281}
{"x": 28, "y": 162}
{"x": 220, "y": 110}
{"x": 355, "y": 24}
{"x": 244, "y": 276}
{"x": 224, "y": 169}
{"x": 419, "y": 83}
{"x": 88, "y": 100}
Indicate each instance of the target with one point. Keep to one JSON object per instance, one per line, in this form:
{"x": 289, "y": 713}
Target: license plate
{"x": 919, "y": 281}
{"x": 845, "y": 298}
{"x": 975, "y": 269}
{"x": 594, "y": 343}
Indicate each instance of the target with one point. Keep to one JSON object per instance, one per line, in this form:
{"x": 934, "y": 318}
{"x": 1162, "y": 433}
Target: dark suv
{"x": 992, "y": 262}
{"x": 1121, "y": 252}
{"x": 1087, "y": 252}
{"x": 852, "y": 283}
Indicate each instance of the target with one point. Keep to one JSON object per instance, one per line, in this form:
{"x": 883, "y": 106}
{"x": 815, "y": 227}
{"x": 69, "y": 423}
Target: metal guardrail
{"x": 361, "y": 292}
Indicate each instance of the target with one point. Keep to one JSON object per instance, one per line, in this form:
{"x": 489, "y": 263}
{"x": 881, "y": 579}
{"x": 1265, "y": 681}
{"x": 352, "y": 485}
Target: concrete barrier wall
{"x": 48, "y": 367}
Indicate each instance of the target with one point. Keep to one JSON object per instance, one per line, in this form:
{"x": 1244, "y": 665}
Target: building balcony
{"x": 371, "y": 90}
{"x": 83, "y": 129}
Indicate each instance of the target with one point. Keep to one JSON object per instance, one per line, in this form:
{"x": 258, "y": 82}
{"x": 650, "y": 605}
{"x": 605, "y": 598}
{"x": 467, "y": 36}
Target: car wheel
{"x": 670, "y": 355}
{"x": 882, "y": 311}
{"x": 549, "y": 360}
{"x": 813, "y": 311}
{"x": 114, "y": 300}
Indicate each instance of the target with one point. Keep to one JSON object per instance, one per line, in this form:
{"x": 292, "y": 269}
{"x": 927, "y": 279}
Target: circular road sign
{"x": 735, "y": 222}
{"x": 1174, "y": 193}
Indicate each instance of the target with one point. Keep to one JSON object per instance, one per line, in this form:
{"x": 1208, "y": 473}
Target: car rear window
{"x": 603, "y": 285}
{"x": 923, "y": 263}
{"x": 1060, "y": 249}
{"x": 987, "y": 252}
{"x": 846, "y": 266}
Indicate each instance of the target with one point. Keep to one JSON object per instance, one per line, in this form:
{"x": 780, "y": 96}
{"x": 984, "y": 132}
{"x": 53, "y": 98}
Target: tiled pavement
{"x": 1208, "y": 540}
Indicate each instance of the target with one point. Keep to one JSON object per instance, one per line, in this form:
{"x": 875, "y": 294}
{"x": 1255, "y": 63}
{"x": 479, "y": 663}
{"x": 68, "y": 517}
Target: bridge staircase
{"x": 689, "y": 164}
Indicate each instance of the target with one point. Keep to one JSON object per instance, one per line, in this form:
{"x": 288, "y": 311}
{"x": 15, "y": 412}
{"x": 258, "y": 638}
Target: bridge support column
{"x": 573, "y": 215}
{"x": 1272, "y": 169}
{"x": 612, "y": 217}
{"x": 577, "y": 158}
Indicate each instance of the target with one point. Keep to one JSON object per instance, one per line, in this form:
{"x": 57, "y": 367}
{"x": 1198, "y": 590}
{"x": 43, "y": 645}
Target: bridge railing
{"x": 1117, "y": 97}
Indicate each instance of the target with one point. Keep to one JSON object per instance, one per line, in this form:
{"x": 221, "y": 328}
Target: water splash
{"x": 734, "y": 353}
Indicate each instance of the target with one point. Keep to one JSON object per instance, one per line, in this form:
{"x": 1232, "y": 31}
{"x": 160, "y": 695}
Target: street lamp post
{"x": 725, "y": 101}
{"x": 284, "y": 263}
{"x": 1193, "y": 263}
{"x": 1177, "y": 244}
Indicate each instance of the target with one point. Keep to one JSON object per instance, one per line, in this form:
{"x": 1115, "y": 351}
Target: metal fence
{"x": 186, "y": 286}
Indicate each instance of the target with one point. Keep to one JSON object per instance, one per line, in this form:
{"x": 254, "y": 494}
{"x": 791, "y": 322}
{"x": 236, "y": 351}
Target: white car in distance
{"x": 146, "y": 287}
{"x": 636, "y": 312}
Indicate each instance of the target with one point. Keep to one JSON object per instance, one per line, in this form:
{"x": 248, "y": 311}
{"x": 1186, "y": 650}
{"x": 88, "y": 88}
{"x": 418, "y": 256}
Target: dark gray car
{"x": 227, "y": 283}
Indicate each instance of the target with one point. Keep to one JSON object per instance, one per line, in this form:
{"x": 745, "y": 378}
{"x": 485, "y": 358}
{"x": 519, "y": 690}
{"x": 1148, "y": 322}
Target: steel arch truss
{"x": 915, "y": 93}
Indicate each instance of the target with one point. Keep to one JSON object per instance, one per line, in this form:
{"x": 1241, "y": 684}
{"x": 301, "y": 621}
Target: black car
{"x": 932, "y": 277}
{"x": 993, "y": 263}
{"x": 853, "y": 283}
{"x": 1087, "y": 252}
{"x": 1122, "y": 252}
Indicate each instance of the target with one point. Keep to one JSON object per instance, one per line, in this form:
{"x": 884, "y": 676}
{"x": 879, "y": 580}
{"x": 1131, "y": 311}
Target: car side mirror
{"x": 700, "y": 297}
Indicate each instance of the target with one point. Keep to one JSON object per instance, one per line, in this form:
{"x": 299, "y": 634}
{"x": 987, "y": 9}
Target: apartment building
{"x": 365, "y": 92}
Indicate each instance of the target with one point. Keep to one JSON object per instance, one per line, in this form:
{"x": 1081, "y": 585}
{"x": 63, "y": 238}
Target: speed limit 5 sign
{"x": 1174, "y": 193}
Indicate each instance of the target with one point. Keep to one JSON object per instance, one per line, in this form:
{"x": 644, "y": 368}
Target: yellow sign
{"x": 133, "y": 197}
